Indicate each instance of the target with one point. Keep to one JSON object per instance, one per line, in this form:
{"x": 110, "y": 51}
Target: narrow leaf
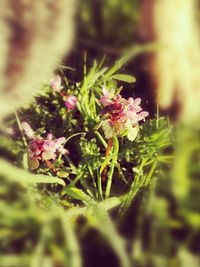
{"x": 16, "y": 174}
{"x": 124, "y": 78}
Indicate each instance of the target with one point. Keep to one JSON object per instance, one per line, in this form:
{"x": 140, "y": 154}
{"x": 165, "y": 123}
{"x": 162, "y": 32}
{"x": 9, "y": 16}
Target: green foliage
{"x": 50, "y": 209}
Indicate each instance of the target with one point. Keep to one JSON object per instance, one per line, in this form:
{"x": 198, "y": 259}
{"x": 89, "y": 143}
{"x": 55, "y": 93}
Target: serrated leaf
{"x": 109, "y": 131}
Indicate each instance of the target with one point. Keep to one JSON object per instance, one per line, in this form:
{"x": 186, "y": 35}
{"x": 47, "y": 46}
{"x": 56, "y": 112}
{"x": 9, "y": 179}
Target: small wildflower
{"x": 43, "y": 149}
{"x": 35, "y": 148}
{"x": 71, "y": 102}
{"x": 48, "y": 147}
{"x": 121, "y": 116}
{"x": 106, "y": 97}
{"x": 56, "y": 83}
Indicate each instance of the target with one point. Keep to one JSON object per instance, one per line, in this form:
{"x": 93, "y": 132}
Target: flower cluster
{"x": 55, "y": 83}
{"x": 46, "y": 149}
{"x": 121, "y": 116}
{"x": 71, "y": 100}
{"x": 43, "y": 149}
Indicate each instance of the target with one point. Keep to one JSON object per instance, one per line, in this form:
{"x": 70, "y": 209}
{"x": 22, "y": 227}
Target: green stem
{"x": 153, "y": 167}
{"x": 83, "y": 182}
{"x": 85, "y": 64}
{"x": 93, "y": 180}
{"x": 101, "y": 139}
{"x": 121, "y": 175}
{"x": 114, "y": 160}
{"x": 73, "y": 135}
{"x": 73, "y": 182}
{"x": 79, "y": 177}
{"x": 135, "y": 187}
{"x": 99, "y": 185}
{"x": 66, "y": 81}
{"x": 21, "y": 130}
{"x": 157, "y": 115}
{"x": 71, "y": 164}
{"x": 65, "y": 67}
{"x": 86, "y": 186}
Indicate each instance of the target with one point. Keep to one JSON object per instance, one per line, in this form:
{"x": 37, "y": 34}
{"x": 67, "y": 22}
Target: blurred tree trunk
{"x": 35, "y": 35}
{"x": 175, "y": 67}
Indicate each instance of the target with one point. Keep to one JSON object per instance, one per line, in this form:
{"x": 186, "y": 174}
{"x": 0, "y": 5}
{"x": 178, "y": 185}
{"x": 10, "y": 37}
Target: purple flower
{"x": 134, "y": 111}
{"x": 106, "y": 97}
{"x": 35, "y": 149}
{"x": 41, "y": 149}
{"x": 121, "y": 116}
{"x": 56, "y": 83}
{"x": 71, "y": 102}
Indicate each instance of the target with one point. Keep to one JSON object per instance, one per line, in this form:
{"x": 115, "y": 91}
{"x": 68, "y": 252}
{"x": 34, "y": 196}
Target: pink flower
{"x": 35, "y": 149}
{"x": 134, "y": 105}
{"x": 41, "y": 149}
{"x": 106, "y": 98}
{"x": 134, "y": 111}
{"x": 56, "y": 83}
{"x": 27, "y": 129}
{"x": 71, "y": 102}
{"x": 121, "y": 116}
{"x": 142, "y": 115}
{"x": 59, "y": 145}
{"x": 116, "y": 110}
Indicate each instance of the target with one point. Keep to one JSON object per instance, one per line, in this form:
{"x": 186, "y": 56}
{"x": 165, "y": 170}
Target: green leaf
{"x": 109, "y": 131}
{"x": 63, "y": 174}
{"x": 132, "y": 131}
{"x": 77, "y": 194}
{"x": 96, "y": 76}
{"x": 25, "y": 161}
{"x": 22, "y": 176}
{"x": 123, "y": 77}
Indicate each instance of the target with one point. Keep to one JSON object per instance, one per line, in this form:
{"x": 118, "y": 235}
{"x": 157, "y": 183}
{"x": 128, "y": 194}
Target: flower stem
{"x": 114, "y": 160}
{"x": 79, "y": 177}
{"x": 73, "y": 135}
{"x": 50, "y": 165}
{"x": 148, "y": 178}
{"x": 101, "y": 139}
{"x": 103, "y": 170}
{"x": 99, "y": 185}
{"x": 74, "y": 181}
{"x": 21, "y": 130}
{"x": 93, "y": 179}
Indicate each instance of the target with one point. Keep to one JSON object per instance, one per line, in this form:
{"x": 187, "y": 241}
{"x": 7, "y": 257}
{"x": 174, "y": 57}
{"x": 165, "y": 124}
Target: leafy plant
{"x": 88, "y": 175}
